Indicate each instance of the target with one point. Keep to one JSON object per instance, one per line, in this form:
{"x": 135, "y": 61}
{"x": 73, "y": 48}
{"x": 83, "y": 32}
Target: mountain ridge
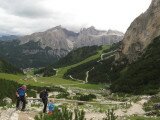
{"x": 72, "y": 39}
{"x": 43, "y": 48}
{"x": 141, "y": 32}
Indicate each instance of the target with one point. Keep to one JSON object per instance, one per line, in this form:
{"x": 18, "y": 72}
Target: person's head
{"x": 24, "y": 87}
{"x": 46, "y": 89}
{"x": 51, "y": 100}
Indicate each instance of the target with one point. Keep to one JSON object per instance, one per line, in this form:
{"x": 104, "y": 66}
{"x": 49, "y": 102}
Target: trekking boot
{"x": 23, "y": 110}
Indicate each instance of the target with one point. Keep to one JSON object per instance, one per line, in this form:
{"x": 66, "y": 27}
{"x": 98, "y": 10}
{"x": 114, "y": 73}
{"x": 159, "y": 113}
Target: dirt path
{"x": 27, "y": 115}
{"x": 136, "y": 108}
{"x": 56, "y": 71}
{"x": 9, "y": 114}
{"x": 12, "y": 114}
{"x": 94, "y": 116}
{"x": 87, "y": 75}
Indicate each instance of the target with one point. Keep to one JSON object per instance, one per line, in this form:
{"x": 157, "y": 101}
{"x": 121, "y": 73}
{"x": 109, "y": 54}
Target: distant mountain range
{"x": 59, "y": 38}
{"x": 43, "y": 48}
{"x": 8, "y": 37}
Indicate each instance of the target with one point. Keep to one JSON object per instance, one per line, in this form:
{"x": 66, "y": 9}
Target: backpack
{"x": 41, "y": 95}
{"x": 21, "y": 92}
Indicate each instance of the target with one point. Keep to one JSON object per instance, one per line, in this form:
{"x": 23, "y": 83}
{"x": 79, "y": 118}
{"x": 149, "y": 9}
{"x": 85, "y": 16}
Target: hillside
{"x": 141, "y": 76}
{"x": 6, "y": 67}
{"x": 95, "y": 70}
{"x": 26, "y": 55}
{"x": 77, "y": 55}
{"x": 141, "y": 32}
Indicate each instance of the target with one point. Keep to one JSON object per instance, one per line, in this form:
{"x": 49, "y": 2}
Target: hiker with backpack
{"x": 21, "y": 97}
{"x": 44, "y": 98}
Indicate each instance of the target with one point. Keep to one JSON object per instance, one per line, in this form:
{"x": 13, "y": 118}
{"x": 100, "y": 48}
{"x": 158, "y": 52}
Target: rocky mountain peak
{"x": 62, "y": 41}
{"x": 91, "y": 30}
{"x": 91, "y": 36}
{"x": 56, "y": 28}
{"x": 141, "y": 32}
{"x": 114, "y": 32}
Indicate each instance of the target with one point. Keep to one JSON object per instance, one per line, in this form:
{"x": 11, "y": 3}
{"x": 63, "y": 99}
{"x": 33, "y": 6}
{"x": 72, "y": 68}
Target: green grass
{"x": 63, "y": 70}
{"x": 19, "y": 79}
{"x": 69, "y": 83}
{"x": 142, "y": 118}
{"x": 57, "y": 80}
{"x": 49, "y": 81}
{"x": 90, "y": 86}
{"x": 46, "y": 80}
{"x": 11, "y": 76}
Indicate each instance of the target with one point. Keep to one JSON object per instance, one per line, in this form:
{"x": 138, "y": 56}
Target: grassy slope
{"x": 77, "y": 56}
{"x": 56, "y": 80}
{"x": 98, "y": 72}
{"x": 61, "y": 71}
{"x": 94, "y": 57}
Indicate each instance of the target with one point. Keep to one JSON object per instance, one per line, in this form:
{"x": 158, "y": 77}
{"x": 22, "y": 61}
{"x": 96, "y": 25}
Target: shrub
{"x": 77, "y": 55}
{"x": 63, "y": 95}
{"x": 65, "y": 114}
{"x": 110, "y": 115}
{"x": 46, "y": 72}
{"x": 85, "y": 97}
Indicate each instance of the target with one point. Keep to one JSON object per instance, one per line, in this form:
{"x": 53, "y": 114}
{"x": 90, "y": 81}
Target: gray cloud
{"x": 23, "y": 17}
{"x": 25, "y": 8}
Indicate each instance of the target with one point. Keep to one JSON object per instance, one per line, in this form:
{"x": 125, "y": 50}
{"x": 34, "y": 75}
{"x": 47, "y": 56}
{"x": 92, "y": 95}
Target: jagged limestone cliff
{"x": 141, "y": 32}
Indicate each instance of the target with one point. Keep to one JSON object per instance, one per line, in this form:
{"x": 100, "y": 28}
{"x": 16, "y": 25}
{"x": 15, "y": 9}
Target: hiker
{"x": 21, "y": 97}
{"x": 44, "y": 97}
{"x": 50, "y": 107}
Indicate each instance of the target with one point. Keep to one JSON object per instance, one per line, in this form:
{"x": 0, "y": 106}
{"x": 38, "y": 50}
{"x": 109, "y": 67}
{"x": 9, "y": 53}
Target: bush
{"x": 110, "y": 115}
{"x": 81, "y": 97}
{"x": 151, "y": 104}
{"x": 62, "y": 95}
{"x": 46, "y": 72}
{"x": 77, "y": 55}
{"x": 65, "y": 114}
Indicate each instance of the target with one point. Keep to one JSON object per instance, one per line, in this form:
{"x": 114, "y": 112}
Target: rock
{"x": 141, "y": 32}
{"x": 90, "y": 36}
{"x": 7, "y": 100}
{"x": 157, "y": 106}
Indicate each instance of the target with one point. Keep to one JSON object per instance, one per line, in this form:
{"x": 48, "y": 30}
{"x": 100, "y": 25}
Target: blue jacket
{"x": 51, "y": 107}
{"x": 21, "y": 91}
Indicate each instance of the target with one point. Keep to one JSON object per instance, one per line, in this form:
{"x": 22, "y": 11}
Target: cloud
{"x": 25, "y": 8}
{"x": 23, "y": 17}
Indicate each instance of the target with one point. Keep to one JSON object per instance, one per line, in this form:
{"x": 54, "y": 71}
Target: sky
{"x": 22, "y": 17}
